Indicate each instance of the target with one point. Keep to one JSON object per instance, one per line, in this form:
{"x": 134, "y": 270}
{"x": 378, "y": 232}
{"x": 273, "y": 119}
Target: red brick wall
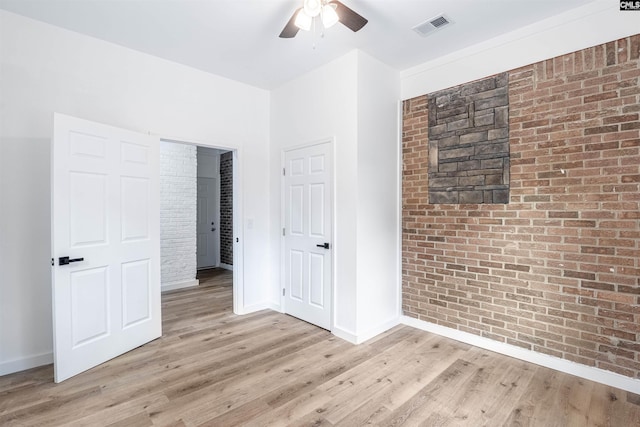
{"x": 557, "y": 270}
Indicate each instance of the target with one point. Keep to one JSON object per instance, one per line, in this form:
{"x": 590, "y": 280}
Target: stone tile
{"x": 468, "y": 197}
{"x": 444, "y": 197}
{"x": 469, "y": 142}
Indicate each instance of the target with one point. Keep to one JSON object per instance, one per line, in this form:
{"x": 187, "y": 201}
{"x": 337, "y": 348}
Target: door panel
{"x": 297, "y": 209}
{"x": 316, "y": 210}
{"x": 90, "y": 302}
{"x": 134, "y": 201}
{"x": 88, "y": 210}
{"x": 134, "y": 154}
{"x": 307, "y": 211}
{"x": 316, "y": 279}
{"x": 296, "y": 269}
{"x": 105, "y": 218}
{"x": 136, "y": 292}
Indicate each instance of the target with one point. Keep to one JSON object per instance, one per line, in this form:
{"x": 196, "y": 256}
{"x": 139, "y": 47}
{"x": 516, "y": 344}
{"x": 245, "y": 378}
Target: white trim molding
{"x": 383, "y": 327}
{"x": 226, "y": 266}
{"x": 344, "y": 334}
{"x": 583, "y": 371}
{"x": 172, "y": 286}
{"x": 360, "y": 338}
{"x": 25, "y": 363}
{"x": 248, "y": 309}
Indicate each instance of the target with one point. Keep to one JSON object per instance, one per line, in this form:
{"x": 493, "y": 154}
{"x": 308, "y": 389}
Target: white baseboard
{"x": 18, "y": 365}
{"x": 587, "y": 372}
{"x": 344, "y": 334}
{"x": 360, "y": 338}
{"x": 257, "y": 307}
{"x": 383, "y": 327}
{"x": 226, "y": 266}
{"x": 275, "y": 306}
{"x": 172, "y": 286}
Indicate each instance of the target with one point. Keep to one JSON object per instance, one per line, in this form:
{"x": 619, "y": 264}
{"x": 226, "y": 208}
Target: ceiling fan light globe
{"x": 329, "y": 16}
{"x": 303, "y": 21}
{"x": 312, "y": 7}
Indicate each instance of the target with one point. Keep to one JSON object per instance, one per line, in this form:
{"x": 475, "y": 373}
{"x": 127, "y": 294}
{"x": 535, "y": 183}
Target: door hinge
{"x": 284, "y": 173}
{"x": 52, "y": 262}
{"x": 283, "y": 291}
{"x": 283, "y": 231}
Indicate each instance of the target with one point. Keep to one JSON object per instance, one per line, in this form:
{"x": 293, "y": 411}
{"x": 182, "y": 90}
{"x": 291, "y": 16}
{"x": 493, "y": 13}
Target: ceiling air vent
{"x": 430, "y": 25}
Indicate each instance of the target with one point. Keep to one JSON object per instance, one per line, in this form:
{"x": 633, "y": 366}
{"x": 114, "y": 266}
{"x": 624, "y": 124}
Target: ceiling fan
{"x": 330, "y": 12}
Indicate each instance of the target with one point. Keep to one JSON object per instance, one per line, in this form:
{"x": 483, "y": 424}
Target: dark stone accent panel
{"x": 226, "y": 208}
{"x": 469, "y": 143}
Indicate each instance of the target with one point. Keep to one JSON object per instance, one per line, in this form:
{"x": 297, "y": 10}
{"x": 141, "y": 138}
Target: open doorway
{"x": 120, "y": 246}
{"x": 197, "y": 216}
{"x": 214, "y": 225}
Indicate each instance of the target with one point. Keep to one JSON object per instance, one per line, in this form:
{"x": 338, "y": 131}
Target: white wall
{"x": 178, "y": 216}
{"x": 593, "y": 24}
{"x": 353, "y": 100}
{"x": 379, "y": 232}
{"x": 46, "y": 69}
{"x": 319, "y": 105}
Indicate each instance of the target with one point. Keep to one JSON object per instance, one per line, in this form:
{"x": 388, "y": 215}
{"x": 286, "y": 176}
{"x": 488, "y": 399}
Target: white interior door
{"x": 308, "y": 232}
{"x": 208, "y": 228}
{"x": 105, "y": 219}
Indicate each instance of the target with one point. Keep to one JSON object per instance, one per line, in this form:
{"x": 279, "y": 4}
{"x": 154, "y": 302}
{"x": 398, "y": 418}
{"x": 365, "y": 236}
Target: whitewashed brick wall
{"x": 178, "y": 197}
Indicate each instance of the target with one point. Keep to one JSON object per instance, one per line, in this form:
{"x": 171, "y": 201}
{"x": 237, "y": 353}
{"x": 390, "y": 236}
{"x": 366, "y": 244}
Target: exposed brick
{"x": 555, "y": 269}
{"x": 597, "y": 285}
{"x": 601, "y": 129}
{"x": 178, "y": 184}
{"x": 226, "y": 208}
{"x": 517, "y": 267}
{"x": 597, "y": 250}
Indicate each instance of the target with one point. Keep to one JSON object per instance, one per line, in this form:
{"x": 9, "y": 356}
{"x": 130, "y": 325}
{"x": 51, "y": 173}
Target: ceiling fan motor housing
{"x": 331, "y": 11}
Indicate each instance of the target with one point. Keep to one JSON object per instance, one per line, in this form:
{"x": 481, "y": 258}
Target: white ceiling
{"x": 239, "y": 39}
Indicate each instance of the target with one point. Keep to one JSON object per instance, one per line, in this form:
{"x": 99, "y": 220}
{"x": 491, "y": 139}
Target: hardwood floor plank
{"x": 421, "y": 369}
{"x": 434, "y": 396}
{"x": 576, "y": 395}
{"x": 532, "y": 407}
{"x": 57, "y": 404}
{"x": 507, "y": 383}
{"x": 114, "y": 411}
{"x": 302, "y": 381}
{"x": 608, "y": 406}
{"x": 214, "y": 368}
{"x": 354, "y": 388}
{"x": 289, "y": 413}
{"x": 260, "y": 380}
{"x": 141, "y": 419}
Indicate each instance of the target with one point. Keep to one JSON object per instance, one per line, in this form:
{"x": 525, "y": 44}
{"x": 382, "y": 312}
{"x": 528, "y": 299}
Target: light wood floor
{"x": 214, "y": 368}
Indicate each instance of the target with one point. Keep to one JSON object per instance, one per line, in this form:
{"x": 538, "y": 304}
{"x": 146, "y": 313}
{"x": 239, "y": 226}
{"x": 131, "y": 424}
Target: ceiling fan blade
{"x": 290, "y": 30}
{"x": 351, "y": 19}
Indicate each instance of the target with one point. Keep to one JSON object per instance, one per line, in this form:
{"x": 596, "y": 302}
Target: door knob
{"x": 324, "y": 245}
{"x": 64, "y": 260}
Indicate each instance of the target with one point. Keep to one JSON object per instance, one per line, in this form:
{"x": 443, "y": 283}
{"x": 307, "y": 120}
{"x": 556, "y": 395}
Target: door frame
{"x": 238, "y": 196}
{"x": 283, "y": 151}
